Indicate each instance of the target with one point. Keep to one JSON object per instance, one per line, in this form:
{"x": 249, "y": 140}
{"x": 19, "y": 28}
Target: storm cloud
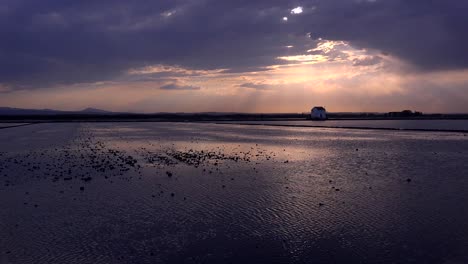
{"x": 51, "y": 42}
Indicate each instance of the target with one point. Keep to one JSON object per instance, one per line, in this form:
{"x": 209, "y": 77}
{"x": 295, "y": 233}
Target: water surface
{"x": 207, "y": 193}
{"x": 391, "y": 124}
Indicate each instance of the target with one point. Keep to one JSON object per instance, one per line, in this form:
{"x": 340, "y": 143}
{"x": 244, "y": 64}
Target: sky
{"x": 266, "y": 56}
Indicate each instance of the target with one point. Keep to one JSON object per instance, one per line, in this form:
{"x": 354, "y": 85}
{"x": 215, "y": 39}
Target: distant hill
{"x": 20, "y": 111}
{"x": 9, "y": 111}
{"x": 94, "y": 111}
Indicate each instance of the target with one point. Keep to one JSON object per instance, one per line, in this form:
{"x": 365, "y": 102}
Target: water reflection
{"x": 392, "y": 124}
{"x": 205, "y": 193}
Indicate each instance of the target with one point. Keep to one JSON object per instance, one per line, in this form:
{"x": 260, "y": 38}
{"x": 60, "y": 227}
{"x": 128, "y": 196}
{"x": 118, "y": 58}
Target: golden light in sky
{"x": 270, "y": 52}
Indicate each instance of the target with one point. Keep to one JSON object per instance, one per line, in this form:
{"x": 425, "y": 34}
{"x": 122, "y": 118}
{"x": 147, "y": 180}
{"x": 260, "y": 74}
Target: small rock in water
{"x": 87, "y": 179}
{"x": 172, "y": 194}
{"x": 408, "y": 180}
{"x": 169, "y": 174}
{"x": 81, "y": 188}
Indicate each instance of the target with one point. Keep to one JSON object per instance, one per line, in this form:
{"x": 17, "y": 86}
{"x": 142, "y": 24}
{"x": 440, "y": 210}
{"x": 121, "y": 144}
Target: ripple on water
{"x": 341, "y": 196}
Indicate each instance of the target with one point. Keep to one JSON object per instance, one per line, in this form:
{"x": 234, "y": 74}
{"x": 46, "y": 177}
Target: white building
{"x": 318, "y": 113}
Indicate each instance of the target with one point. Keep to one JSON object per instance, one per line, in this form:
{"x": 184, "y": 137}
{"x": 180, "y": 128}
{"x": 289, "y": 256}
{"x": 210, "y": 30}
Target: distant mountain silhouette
{"x": 9, "y": 111}
{"x": 95, "y": 111}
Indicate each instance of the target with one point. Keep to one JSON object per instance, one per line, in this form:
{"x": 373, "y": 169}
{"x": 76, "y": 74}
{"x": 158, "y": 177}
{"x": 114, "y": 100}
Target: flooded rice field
{"x": 438, "y": 125}
{"x": 208, "y": 193}
{"x": 7, "y": 125}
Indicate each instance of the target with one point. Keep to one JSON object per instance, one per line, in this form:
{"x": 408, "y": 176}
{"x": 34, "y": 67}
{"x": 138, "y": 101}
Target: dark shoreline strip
{"x": 28, "y": 124}
{"x": 258, "y": 124}
{"x": 356, "y": 128}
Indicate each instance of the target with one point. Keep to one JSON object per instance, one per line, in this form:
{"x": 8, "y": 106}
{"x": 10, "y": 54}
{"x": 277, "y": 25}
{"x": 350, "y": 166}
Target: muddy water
{"x": 206, "y": 193}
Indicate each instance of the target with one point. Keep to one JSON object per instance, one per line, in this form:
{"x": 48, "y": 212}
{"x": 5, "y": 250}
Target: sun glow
{"x": 327, "y": 46}
{"x": 297, "y": 10}
{"x": 304, "y": 58}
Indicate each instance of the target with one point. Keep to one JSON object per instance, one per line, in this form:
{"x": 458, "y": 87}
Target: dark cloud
{"x": 367, "y": 61}
{"x": 258, "y": 86}
{"x": 174, "y": 86}
{"x": 428, "y": 34}
{"x": 245, "y": 69}
{"x": 52, "y": 42}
